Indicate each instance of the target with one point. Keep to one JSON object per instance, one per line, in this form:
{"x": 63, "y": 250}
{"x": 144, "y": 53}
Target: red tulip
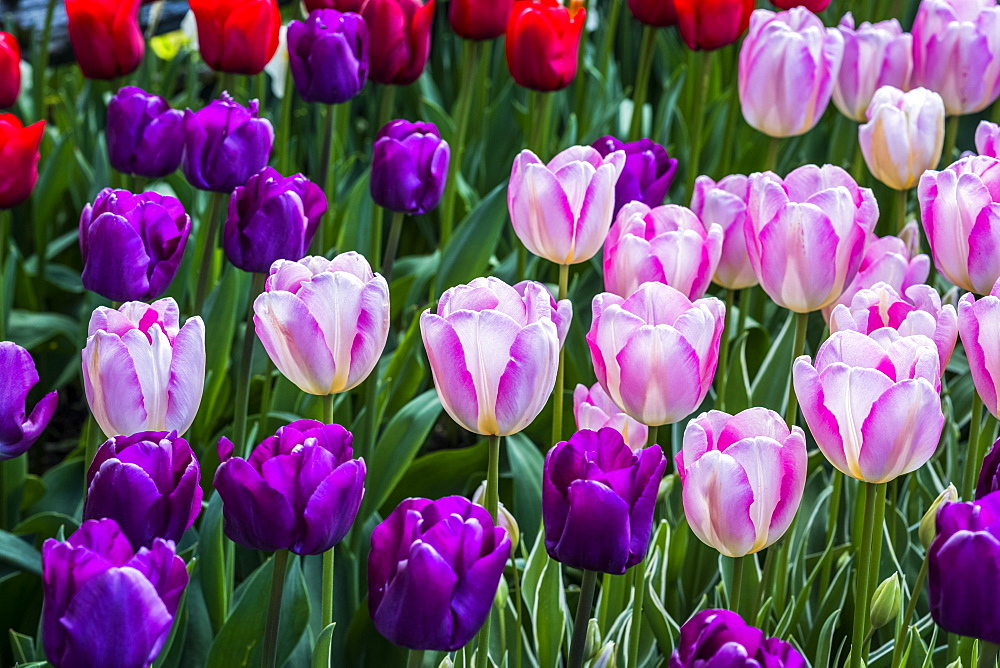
{"x": 657, "y": 13}
{"x": 10, "y": 70}
{"x": 543, "y": 37}
{"x": 480, "y": 19}
{"x": 19, "y": 156}
{"x": 711, "y": 24}
{"x": 339, "y": 5}
{"x": 401, "y": 39}
{"x": 811, "y": 5}
{"x": 105, "y": 36}
{"x": 238, "y": 36}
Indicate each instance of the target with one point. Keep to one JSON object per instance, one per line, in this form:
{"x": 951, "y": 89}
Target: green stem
{"x": 328, "y": 556}
{"x": 492, "y": 506}
{"x": 583, "y": 608}
{"x": 773, "y": 150}
{"x": 722, "y": 372}
{"x": 704, "y": 68}
{"x": 540, "y": 112}
{"x": 736, "y": 589}
{"x": 746, "y": 295}
{"x": 216, "y": 212}
{"x": 900, "y": 210}
{"x": 876, "y": 555}
{"x": 371, "y": 409}
{"x": 862, "y": 593}
{"x": 518, "y": 611}
{"x": 327, "y": 174}
{"x": 639, "y": 589}
{"x": 5, "y": 217}
{"x": 244, "y": 372}
{"x": 801, "y": 325}
{"x": 988, "y": 654}
{"x": 463, "y": 106}
{"x": 285, "y": 125}
{"x": 647, "y": 49}
{"x": 12, "y": 475}
{"x": 611, "y": 29}
{"x": 40, "y": 66}
{"x": 269, "y": 657}
{"x": 950, "y": 140}
{"x": 911, "y": 607}
{"x": 559, "y": 391}
{"x": 265, "y": 397}
{"x": 831, "y": 527}
{"x": 972, "y": 450}
{"x": 395, "y": 230}
{"x": 415, "y": 658}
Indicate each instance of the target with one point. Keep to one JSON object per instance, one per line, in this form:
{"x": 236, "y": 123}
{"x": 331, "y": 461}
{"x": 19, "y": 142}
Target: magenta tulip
{"x": 988, "y": 139}
{"x": 978, "y": 324}
{"x": 725, "y": 204}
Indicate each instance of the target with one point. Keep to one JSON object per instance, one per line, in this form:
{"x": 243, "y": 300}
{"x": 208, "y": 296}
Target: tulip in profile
{"x": 656, "y": 13}
{"x": 988, "y": 139}
{"x": 18, "y": 430}
{"x": 478, "y": 20}
{"x": 875, "y": 55}
{"x": 711, "y": 24}
{"x": 594, "y": 410}
{"x": 904, "y": 135}
{"x": 543, "y": 40}
{"x": 401, "y": 32}
{"x": 105, "y": 36}
{"x": 989, "y": 474}
{"x": 329, "y": 55}
{"x": 145, "y": 136}
{"x": 409, "y": 167}
{"x": 19, "y": 155}
{"x": 238, "y": 36}
{"x": 10, "y": 70}
{"x": 647, "y": 174}
{"x": 978, "y": 322}
{"x": 722, "y": 638}
{"x": 724, "y": 204}
{"x": 225, "y": 144}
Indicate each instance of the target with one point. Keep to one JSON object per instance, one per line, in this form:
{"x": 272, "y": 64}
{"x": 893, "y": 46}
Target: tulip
{"x": 956, "y": 52}
{"x": 872, "y": 403}
{"x": 788, "y": 64}
{"x": 402, "y": 29}
{"x": 145, "y": 136}
{"x": 963, "y": 568}
{"x": 724, "y": 204}
{"x": 106, "y": 604}
{"x": 667, "y": 244}
{"x": 323, "y": 322}
{"x": 904, "y": 135}
{"x": 433, "y": 570}
{"x": 10, "y": 70}
{"x": 132, "y": 245}
{"x": 655, "y": 353}
{"x": 141, "y": 370}
{"x": 409, "y": 167}
{"x": 927, "y": 529}
{"x": 711, "y": 24}
{"x": 657, "y": 13}
{"x": 978, "y": 321}
{"x": 959, "y": 212}
{"x": 19, "y": 155}
{"x": 340, "y": 5}
{"x": 806, "y": 234}
{"x": 811, "y": 5}
{"x": 479, "y": 20}
{"x": 300, "y": 490}
{"x": 988, "y": 139}
{"x": 543, "y": 40}
{"x": 647, "y": 174}
{"x": 271, "y": 218}
{"x": 225, "y": 144}
{"x": 19, "y": 431}
{"x": 875, "y": 55}
{"x": 238, "y": 36}
{"x": 105, "y": 36}
{"x": 562, "y": 210}
{"x": 493, "y": 351}
{"x": 328, "y": 55}
{"x": 722, "y": 638}
{"x": 598, "y": 499}
{"x": 148, "y": 483}
{"x": 594, "y": 410}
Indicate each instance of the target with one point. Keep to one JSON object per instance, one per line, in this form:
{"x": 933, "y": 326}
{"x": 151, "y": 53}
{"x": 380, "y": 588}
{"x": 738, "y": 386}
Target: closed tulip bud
{"x": 324, "y": 323}
{"x": 18, "y": 430}
{"x": 989, "y": 474}
{"x": 19, "y": 155}
{"x": 494, "y": 351}
{"x": 904, "y": 135}
{"x": 811, "y": 5}
{"x": 655, "y": 353}
{"x": 872, "y": 403}
{"x": 724, "y": 204}
{"x": 667, "y": 244}
{"x": 225, "y": 144}
{"x": 875, "y": 55}
{"x": 409, "y": 167}
{"x": 402, "y": 30}
{"x": 885, "y": 602}
{"x": 238, "y": 36}
{"x": 106, "y": 37}
{"x": 961, "y": 218}
{"x": 657, "y": 13}
{"x": 594, "y": 410}
{"x": 105, "y": 603}
{"x": 503, "y": 593}
{"x": 505, "y": 519}
{"x": 328, "y": 55}
{"x": 988, "y": 139}
{"x": 647, "y": 174}
{"x": 788, "y": 64}
{"x": 339, "y": 5}
{"x": 145, "y": 136}
{"x": 951, "y": 39}
{"x": 978, "y": 321}
{"x": 132, "y": 245}
{"x": 928, "y": 523}
{"x": 598, "y": 499}
{"x": 446, "y": 662}
{"x": 543, "y": 40}
{"x": 806, "y": 234}
{"x": 593, "y": 640}
{"x": 148, "y": 483}
{"x": 562, "y": 210}
{"x": 606, "y": 658}
{"x": 479, "y": 19}
{"x": 10, "y": 70}
{"x": 433, "y": 571}
{"x": 141, "y": 370}
{"x": 711, "y": 24}
{"x": 722, "y": 638}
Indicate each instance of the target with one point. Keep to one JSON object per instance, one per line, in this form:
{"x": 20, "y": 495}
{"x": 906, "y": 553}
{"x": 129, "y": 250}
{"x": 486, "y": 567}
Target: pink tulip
{"x": 978, "y": 325}
{"x": 655, "y": 353}
{"x": 904, "y": 135}
{"x": 806, "y": 234}
{"x": 562, "y": 211}
{"x": 988, "y": 139}
{"x": 920, "y": 312}
{"x": 667, "y": 244}
{"x": 875, "y": 55}
{"x": 742, "y": 477}
{"x": 725, "y": 204}
{"x": 960, "y": 211}
{"x": 141, "y": 370}
{"x": 594, "y": 410}
{"x": 872, "y": 402}
{"x": 323, "y": 323}
{"x": 788, "y": 64}
{"x": 956, "y": 52}
{"x": 494, "y": 352}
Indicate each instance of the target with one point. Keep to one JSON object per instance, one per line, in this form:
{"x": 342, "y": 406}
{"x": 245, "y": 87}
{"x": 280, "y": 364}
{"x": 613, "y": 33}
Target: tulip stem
{"x": 492, "y": 506}
{"x": 4, "y": 236}
{"x": 583, "y": 608}
{"x": 472, "y": 52}
{"x": 722, "y": 373}
{"x": 950, "y": 140}
{"x": 415, "y": 658}
{"x": 988, "y": 654}
{"x": 861, "y": 587}
{"x": 801, "y": 326}
{"x": 911, "y": 607}
{"x": 540, "y": 117}
{"x": 216, "y": 211}
{"x": 395, "y": 230}
{"x": 736, "y": 589}
{"x": 557, "y": 395}
{"x": 836, "y": 495}
{"x": 704, "y": 69}
{"x": 270, "y": 651}
{"x": 244, "y": 372}
{"x": 878, "y": 528}
{"x": 773, "y": 151}
{"x": 972, "y": 450}
{"x": 647, "y": 49}
{"x": 900, "y": 210}
{"x": 639, "y": 590}
{"x": 12, "y": 475}
{"x": 327, "y": 175}
{"x": 328, "y": 556}
{"x": 285, "y": 124}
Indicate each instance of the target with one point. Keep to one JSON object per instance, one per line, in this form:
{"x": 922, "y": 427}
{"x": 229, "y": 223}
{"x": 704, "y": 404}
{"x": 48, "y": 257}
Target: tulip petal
{"x": 901, "y": 432}
{"x": 717, "y": 500}
{"x": 596, "y": 529}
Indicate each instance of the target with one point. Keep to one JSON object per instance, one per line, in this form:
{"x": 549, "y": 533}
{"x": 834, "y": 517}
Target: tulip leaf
{"x": 526, "y": 470}
{"x": 19, "y": 553}
{"x": 468, "y": 252}
{"x": 440, "y": 473}
{"x": 543, "y": 591}
{"x": 738, "y": 384}
{"x": 321, "y": 653}
{"x": 23, "y": 647}
{"x": 213, "y": 572}
{"x": 770, "y": 387}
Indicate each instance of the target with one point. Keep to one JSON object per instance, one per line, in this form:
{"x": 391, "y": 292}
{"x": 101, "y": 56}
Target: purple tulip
{"x": 225, "y": 144}
{"x": 989, "y": 475}
{"x": 148, "y": 483}
{"x": 598, "y": 499}
{"x": 409, "y": 167}
{"x": 328, "y": 55}
{"x": 648, "y": 171}
{"x": 721, "y": 639}
{"x": 132, "y": 245}
{"x": 594, "y": 409}
{"x": 18, "y": 431}
{"x": 271, "y": 218}
{"x": 433, "y": 571}
{"x": 145, "y": 136}
{"x": 300, "y": 490}
{"x": 106, "y": 604}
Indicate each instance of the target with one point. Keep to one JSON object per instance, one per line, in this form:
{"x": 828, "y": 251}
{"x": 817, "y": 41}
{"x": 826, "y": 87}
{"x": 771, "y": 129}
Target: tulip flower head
{"x": 657, "y": 13}
{"x": 18, "y": 430}
{"x": 647, "y": 174}
{"x": 409, "y": 167}
{"x": 479, "y": 20}
{"x": 594, "y": 410}
{"x": 225, "y": 144}
{"x": 329, "y": 56}
{"x": 904, "y": 135}
{"x": 543, "y": 40}
{"x": 977, "y": 323}
{"x": 238, "y": 36}
{"x": 145, "y": 136}
{"x": 10, "y": 70}
{"x": 989, "y": 475}
{"x": 988, "y": 139}
{"x": 106, "y": 37}
{"x": 401, "y": 31}
{"x": 706, "y": 25}
{"x": 721, "y": 637}
{"x": 875, "y": 55}
{"x": 19, "y": 155}
{"x": 724, "y": 204}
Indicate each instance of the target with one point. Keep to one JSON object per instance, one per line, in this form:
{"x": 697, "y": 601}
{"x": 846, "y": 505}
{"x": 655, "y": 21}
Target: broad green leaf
{"x": 19, "y": 553}
{"x": 468, "y": 252}
{"x": 321, "y": 653}
{"x": 526, "y": 469}
{"x": 770, "y": 387}
{"x": 23, "y": 647}
{"x": 211, "y": 557}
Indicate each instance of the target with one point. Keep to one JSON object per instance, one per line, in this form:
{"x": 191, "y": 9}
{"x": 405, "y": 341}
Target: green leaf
{"x": 321, "y": 653}
{"x": 23, "y": 647}
{"x": 211, "y": 557}
{"x": 29, "y": 329}
{"x": 46, "y": 525}
{"x": 542, "y": 589}
{"x": 19, "y": 553}
{"x": 770, "y": 387}
{"x": 738, "y": 384}
{"x": 468, "y": 252}
{"x": 526, "y": 469}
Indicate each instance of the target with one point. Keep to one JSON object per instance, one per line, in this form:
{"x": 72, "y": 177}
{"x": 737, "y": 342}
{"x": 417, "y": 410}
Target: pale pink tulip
{"x": 875, "y": 55}
{"x": 594, "y": 409}
{"x": 988, "y": 139}
{"x": 904, "y": 135}
{"x": 979, "y": 325}
{"x": 725, "y": 204}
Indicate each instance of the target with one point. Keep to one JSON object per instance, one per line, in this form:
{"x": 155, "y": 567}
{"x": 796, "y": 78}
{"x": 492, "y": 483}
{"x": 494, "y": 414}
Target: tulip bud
{"x": 145, "y": 136}
{"x": 446, "y": 662}
{"x": 543, "y": 39}
{"x": 105, "y": 36}
{"x": 409, "y": 167}
{"x": 885, "y": 602}
{"x": 904, "y": 135}
{"x": 238, "y": 36}
{"x": 225, "y": 144}
{"x": 503, "y": 593}
{"x": 10, "y": 70}
{"x": 928, "y": 523}
{"x": 593, "y": 639}
{"x": 504, "y": 518}
{"x": 401, "y": 31}
{"x": 329, "y": 56}
{"x": 19, "y": 156}
{"x": 606, "y": 658}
